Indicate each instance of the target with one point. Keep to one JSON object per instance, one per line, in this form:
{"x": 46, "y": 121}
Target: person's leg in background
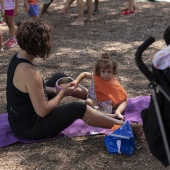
{"x": 80, "y": 9}
{"x": 45, "y": 7}
{"x": 66, "y": 7}
{"x": 130, "y": 10}
{"x": 9, "y": 19}
{"x": 96, "y": 4}
{"x": 89, "y": 7}
{"x": 1, "y": 49}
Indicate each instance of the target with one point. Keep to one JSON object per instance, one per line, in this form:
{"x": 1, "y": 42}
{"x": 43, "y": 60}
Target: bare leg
{"x": 45, "y": 8}
{"x": 0, "y": 40}
{"x": 36, "y": 17}
{"x": 66, "y": 7}
{"x": 10, "y": 23}
{"x": 1, "y": 49}
{"x": 96, "y": 3}
{"x": 131, "y": 5}
{"x": 89, "y": 8}
{"x": 98, "y": 119}
{"x": 80, "y": 8}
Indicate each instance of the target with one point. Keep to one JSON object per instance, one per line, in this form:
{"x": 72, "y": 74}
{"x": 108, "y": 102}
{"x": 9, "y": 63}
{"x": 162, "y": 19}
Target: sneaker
{"x": 11, "y": 43}
{"x": 128, "y": 13}
{"x": 6, "y": 42}
{"x": 95, "y": 12}
{"x": 85, "y": 11}
{"x": 127, "y": 9}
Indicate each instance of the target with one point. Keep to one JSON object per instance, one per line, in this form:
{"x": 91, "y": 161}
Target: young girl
{"x": 2, "y": 12}
{"x": 11, "y": 9}
{"x": 105, "y": 92}
{"x": 32, "y": 8}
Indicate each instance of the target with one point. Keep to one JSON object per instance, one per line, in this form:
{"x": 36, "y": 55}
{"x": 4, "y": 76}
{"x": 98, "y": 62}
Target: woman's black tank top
{"x": 21, "y": 113}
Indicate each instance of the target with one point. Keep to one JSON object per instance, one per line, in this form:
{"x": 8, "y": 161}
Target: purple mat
{"x": 78, "y": 128}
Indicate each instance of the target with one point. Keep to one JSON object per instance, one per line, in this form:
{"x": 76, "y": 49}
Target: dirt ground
{"x": 75, "y": 49}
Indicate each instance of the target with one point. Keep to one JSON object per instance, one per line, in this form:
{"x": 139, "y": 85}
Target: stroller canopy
{"x": 161, "y": 60}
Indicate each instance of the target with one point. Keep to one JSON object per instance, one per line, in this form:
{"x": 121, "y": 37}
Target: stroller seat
{"x": 156, "y": 118}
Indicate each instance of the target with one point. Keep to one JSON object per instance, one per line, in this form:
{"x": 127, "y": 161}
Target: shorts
{"x": 9, "y": 12}
{"x": 34, "y": 10}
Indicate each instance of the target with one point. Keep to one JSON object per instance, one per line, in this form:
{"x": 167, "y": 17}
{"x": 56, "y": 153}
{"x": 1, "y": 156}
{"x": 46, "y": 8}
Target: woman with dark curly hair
{"x": 33, "y": 113}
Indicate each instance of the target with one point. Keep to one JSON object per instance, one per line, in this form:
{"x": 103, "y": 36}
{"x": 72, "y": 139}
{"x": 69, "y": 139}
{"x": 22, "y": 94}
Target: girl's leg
{"x": 96, "y": 3}
{"x": 130, "y": 10}
{"x": 80, "y": 8}
{"x": 11, "y": 25}
{"x": 131, "y": 5}
{"x": 45, "y": 8}
{"x": 1, "y": 49}
{"x": 12, "y": 31}
{"x": 66, "y": 7}
{"x": 89, "y": 8}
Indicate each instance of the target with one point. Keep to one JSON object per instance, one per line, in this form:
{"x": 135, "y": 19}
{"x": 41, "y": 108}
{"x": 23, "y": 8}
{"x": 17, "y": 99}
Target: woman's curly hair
{"x": 34, "y": 36}
{"x": 105, "y": 62}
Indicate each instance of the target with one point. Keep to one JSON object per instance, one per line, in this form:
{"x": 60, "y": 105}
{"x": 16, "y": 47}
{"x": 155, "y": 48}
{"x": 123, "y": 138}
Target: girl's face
{"x": 106, "y": 74}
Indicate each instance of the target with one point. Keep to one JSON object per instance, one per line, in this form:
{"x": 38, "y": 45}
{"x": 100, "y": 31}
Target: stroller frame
{"x": 153, "y": 85}
{"x": 158, "y": 113}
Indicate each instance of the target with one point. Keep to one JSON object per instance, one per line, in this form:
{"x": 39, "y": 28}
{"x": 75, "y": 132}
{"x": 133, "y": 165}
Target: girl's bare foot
{"x": 62, "y": 12}
{"x": 89, "y": 19}
{"x": 77, "y": 23}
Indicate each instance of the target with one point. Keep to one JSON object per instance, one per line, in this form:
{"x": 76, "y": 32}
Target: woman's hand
{"x": 68, "y": 89}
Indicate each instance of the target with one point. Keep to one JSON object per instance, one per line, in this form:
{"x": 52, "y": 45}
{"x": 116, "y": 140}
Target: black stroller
{"x": 156, "y": 118}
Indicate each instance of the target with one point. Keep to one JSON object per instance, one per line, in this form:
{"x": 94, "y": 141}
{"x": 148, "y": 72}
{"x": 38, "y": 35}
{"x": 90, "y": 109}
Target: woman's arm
{"x": 32, "y": 81}
{"x": 50, "y": 90}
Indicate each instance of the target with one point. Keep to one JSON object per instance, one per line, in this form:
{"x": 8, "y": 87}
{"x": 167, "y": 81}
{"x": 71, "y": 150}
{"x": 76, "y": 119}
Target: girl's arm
{"x": 121, "y": 107}
{"x": 16, "y": 7}
{"x": 82, "y": 76}
{"x": 2, "y": 6}
{"x": 26, "y": 5}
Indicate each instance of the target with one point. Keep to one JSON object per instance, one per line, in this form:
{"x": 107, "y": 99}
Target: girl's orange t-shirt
{"x": 109, "y": 90}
